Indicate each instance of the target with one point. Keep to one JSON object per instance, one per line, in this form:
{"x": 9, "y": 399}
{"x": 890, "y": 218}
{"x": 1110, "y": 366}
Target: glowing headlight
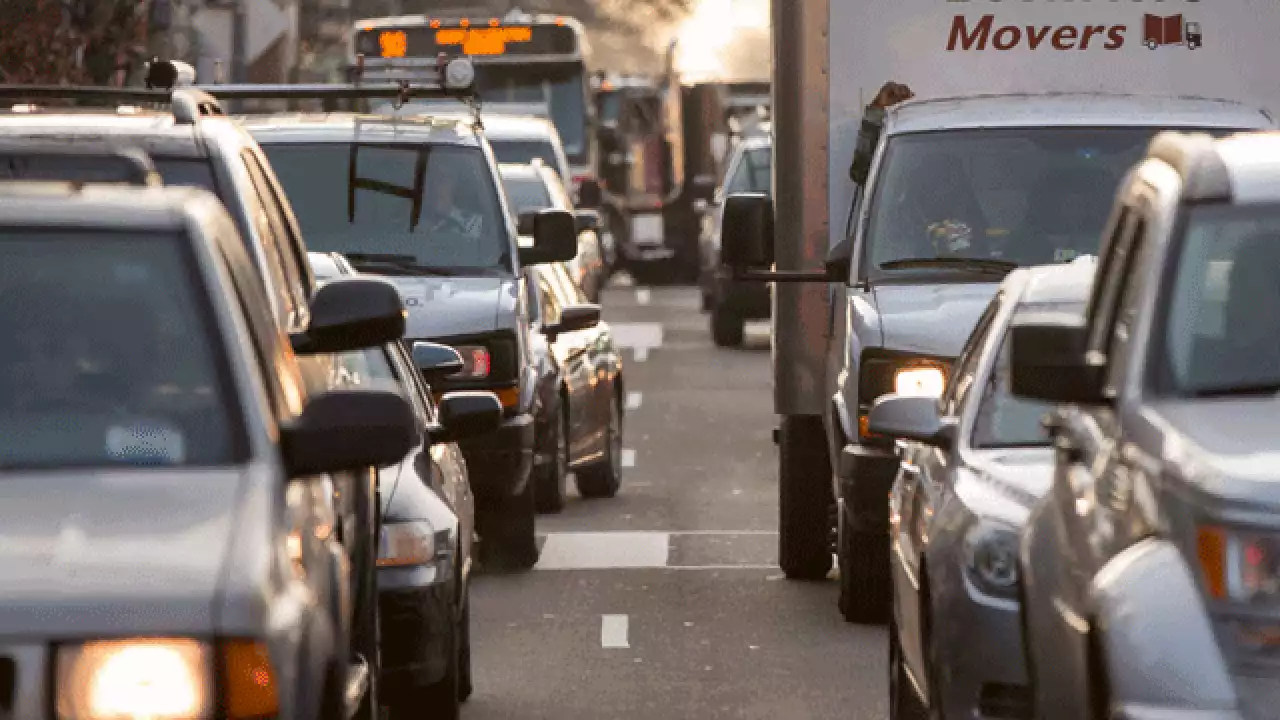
{"x": 919, "y": 381}
{"x": 991, "y": 554}
{"x": 159, "y": 679}
{"x": 408, "y": 543}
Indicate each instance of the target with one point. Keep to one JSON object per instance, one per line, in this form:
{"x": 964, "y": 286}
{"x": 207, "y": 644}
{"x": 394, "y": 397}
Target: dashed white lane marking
{"x": 641, "y": 354}
{"x": 643, "y": 296}
{"x": 628, "y": 457}
{"x": 634, "y": 398}
{"x": 613, "y": 631}
{"x": 606, "y": 550}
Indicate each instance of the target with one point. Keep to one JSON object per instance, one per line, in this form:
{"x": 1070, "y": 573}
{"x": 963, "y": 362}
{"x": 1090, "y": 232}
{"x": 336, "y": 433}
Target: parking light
{"x": 407, "y": 544}
{"x": 476, "y": 362}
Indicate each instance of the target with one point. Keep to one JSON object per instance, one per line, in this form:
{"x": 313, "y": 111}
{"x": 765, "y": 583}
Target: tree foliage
{"x": 69, "y": 41}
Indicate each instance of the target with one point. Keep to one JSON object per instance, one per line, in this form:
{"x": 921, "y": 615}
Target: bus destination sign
{"x": 425, "y": 41}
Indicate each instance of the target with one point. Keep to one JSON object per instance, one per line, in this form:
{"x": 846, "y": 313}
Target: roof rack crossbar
{"x": 332, "y": 91}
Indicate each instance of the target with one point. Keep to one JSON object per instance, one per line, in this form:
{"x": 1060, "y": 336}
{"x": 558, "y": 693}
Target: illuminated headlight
{"x": 160, "y": 679}
{"x": 476, "y": 363}
{"x": 919, "y": 381}
{"x": 406, "y": 544}
{"x": 991, "y": 558}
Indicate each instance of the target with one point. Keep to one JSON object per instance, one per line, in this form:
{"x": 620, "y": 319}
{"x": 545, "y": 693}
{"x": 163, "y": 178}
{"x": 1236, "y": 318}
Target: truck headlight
{"x": 405, "y": 544}
{"x": 924, "y": 380}
{"x": 881, "y": 372}
{"x": 161, "y": 679}
{"x": 991, "y": 558}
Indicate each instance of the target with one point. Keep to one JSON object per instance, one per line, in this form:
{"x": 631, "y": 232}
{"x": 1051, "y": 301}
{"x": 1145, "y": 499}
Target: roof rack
{"x": 137, "y": 167}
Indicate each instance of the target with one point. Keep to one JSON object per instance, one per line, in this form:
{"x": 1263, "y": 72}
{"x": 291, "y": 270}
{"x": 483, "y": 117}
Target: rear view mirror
{"x": 575, "y": 317}
{"x": 910, "y": 417}
{"x": 348, "y": 430}
{"x": 524, "y": 222}
{"x": 589, "y": 193}
{"x": 1048, "y": 362}
{"x": 352, "y": 313}
{"x": 436, "y": 362}
{"x": 746, "y": 231}
{"x": 554, "y": 239}
{"x": 466, "y": 415}
{"x": 585, "y": 220}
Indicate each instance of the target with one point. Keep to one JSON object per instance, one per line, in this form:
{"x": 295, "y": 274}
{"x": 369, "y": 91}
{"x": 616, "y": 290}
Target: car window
{"x": 526, "y": 192}
{"x": 292, "y": 246}
{"x": 278, "y": 237}
{"x": 121, "y": 365}
{"x": 753, "y": 173}
{"x": 1221, "y": 334}
{"x": 451, "y": 219}
{"x": 524, "y": 152}
{"x": 966, "y": 363}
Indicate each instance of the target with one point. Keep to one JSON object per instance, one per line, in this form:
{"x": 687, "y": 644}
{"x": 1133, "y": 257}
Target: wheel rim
{"x": 615, "y": 440}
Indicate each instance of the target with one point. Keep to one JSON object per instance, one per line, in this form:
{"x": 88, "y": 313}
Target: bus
{"x": 525, "y": 64}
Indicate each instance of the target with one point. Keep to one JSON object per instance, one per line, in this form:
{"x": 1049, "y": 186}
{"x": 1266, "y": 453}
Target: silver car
{"x": 973, "y": 465}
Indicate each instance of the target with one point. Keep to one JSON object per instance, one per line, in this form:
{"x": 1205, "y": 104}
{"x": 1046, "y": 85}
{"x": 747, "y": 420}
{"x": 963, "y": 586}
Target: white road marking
{"x": 641, "y": 354}
{"x": 613, "y": 631}
{"x": 643, "y": 296}
{"x": 604, "y": 550}
{"x": 637, "y": 334}
{"x": 628, "y": 457}
{"x": 634, "y": 398}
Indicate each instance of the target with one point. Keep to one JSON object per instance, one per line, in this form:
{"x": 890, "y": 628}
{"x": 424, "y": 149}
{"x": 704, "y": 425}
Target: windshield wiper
{"x": 982, "y": 265}
{"x": 402, "y": 264}
{"x": 1269, "y": 388}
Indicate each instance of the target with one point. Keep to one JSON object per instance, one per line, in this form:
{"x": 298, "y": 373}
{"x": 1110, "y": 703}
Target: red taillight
{"x": 479, "y": 365}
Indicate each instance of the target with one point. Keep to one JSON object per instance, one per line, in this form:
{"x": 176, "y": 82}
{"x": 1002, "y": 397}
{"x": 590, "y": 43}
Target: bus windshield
{"x": 559, "y": 87}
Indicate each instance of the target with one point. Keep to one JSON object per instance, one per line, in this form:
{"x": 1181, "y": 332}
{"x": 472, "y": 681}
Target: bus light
{"x": 393, "y": 43}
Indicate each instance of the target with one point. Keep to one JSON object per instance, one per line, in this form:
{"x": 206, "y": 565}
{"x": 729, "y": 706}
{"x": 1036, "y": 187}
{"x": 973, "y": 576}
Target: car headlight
{"x": 922, "y": 381}
{"x": 991, "y": 558}
{"x": 405, "y": 544}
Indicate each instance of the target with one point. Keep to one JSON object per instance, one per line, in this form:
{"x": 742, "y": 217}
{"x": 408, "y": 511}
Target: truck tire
{"x": 728, "y": 329}
{"x": 513, "y": 542}
{"x": 864, "y": 575}
{"x": 804, "y": 550}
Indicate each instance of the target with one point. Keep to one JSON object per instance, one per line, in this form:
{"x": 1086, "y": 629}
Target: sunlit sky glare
{"x": 710, "y": 28}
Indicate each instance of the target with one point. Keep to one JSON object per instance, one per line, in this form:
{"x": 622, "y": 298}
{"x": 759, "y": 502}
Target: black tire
{"x": 904, "y": 704}
{"x": 804, "y": 484}
{"x": 465, "y": 686}
{"x": 513, "y": 542}
{"x": 603, "y": 478}
{"x": 441, "y": 699}
{"x": 864, "y": 576}
{"x": 366, "y": 636}
{"x": 727, "y": 327}
{"x": 551, "y": 480}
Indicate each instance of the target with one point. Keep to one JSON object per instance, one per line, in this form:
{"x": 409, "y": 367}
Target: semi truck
{"x": 1023, "y": 119}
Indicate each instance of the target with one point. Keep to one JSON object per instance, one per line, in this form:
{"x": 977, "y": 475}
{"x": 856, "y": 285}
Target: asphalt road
{"x": 665, "y": 602}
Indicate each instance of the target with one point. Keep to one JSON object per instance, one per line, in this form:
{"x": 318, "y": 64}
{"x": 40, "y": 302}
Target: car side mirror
{"x": 525, "y": 221}
{"x": 554, "y": 239}
{"x": 911, "y": 417}
{"x": 1048, "y": 361}
{"x": 347, "y": 430}
{"x": 574, "y": 317}
{"x": 590, "y": 194}
{"x": 352, "y": 313}
{"x": 746, "y": 231}
{"x": 585, "y": 220}
{"x": 466, "y": 414}
{"x": 436, "y": 362}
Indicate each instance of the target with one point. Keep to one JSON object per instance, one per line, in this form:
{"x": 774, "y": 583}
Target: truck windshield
{"x": 117, "y": 363}
{"x": 1222, "y": 329}
{"x": 754, "y": 173}
{"x": 1022, "y": 196}
{"x": 361, "y": 200}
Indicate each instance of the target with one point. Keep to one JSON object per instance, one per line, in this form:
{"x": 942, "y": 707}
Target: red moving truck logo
{"x": 1171, "y": 30}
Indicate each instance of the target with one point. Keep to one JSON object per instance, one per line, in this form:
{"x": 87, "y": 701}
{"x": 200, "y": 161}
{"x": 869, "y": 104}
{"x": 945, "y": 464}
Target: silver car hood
{"x": 99, "y": 553}
{"x": 932, "y": 319}
{"x": 1005, "y": 484}
{"x": 447, "y": 306}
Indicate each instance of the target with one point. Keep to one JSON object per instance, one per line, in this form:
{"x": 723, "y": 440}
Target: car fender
{"x": 1161, "y": 655}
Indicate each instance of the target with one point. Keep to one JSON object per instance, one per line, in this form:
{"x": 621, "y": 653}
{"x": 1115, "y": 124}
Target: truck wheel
{"x": 440, "y": 699}
{"x": 864, "y": 575}
{"x": 513, "y": 543}
{"x": 552, "y": 479}
{"x": 602, "y": 478}
{"x": 727, "y": 327}
{"x": 804, "y": 550}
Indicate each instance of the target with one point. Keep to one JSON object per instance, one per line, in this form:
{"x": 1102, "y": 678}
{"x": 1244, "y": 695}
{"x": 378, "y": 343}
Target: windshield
{"x": 526, "y": 193}
{"x": 1027, "y": 196}
{"x": 560, "y": 87}
{"x": 1003, "y": 419}
{"x": 461, "y": 226}
{"x": 1222, "y": 332}
{"x": 119, "y": 365}
{"x": 524, "y": 152}
{"x": 753, "y": 173}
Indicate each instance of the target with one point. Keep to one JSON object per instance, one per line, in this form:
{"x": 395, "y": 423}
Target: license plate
{"x": 646, "y": 230}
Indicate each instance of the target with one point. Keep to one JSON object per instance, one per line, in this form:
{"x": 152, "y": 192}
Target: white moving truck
{"x": 1025, "y": 117}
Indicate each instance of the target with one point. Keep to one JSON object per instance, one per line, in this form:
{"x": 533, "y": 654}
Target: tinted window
{"x": 526, "y": 193}
{"x": 1003, "y": 419}
{"x": 461, "y": 225}
{"x": 1222, "y": 333}
{"x": 524, "y": 152}
{"x": 194, "y": 172}
{"x": 1026, "y": 195}
{"x": 754, "y": 173}
{"x": 109, "y": 355}
{"x": 369, "y": 367}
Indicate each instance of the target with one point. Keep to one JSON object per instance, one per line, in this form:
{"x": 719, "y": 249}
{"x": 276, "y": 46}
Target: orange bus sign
{"x": 484, "y": 41}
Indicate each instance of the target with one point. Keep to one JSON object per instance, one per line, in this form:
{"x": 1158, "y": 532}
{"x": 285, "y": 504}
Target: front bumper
{"x": 498, "y": 464}
{"x": 866, "y": 475}
{"x": 418, "y": 615}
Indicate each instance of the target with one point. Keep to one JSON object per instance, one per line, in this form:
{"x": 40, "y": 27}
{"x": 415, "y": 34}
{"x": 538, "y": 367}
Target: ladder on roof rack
{"x": 26, "y": 158}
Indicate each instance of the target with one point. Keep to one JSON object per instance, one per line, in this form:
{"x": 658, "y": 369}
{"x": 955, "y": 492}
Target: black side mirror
{"x": 838, "y": 260}
{"x": 746, "y": 231}
{"x": 347, "y": 430}
{"x": 911, "y": 418}
{"x": 574, "y": 317}
{"x": 352, "y": 313}
{"x": 554, "y": 239}
{"x": 436, "y": 362}
{"x": 585, "y": 220}
{"x": 590, "y": 194}
{"x": 467, "y": 414}
{"x": 525, "y": 221}
{"x": 703, "y": 188}
{"x": 1048, "y": 362}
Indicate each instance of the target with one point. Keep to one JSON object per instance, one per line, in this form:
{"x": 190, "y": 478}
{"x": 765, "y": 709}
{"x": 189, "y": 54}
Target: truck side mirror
{"x": 555, "y": 239}
{"x": 1048, "y": 362}
{"x": 590, "y": 195}
{"x": 838, "y": 260}
{"x": 746, "y": 231}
